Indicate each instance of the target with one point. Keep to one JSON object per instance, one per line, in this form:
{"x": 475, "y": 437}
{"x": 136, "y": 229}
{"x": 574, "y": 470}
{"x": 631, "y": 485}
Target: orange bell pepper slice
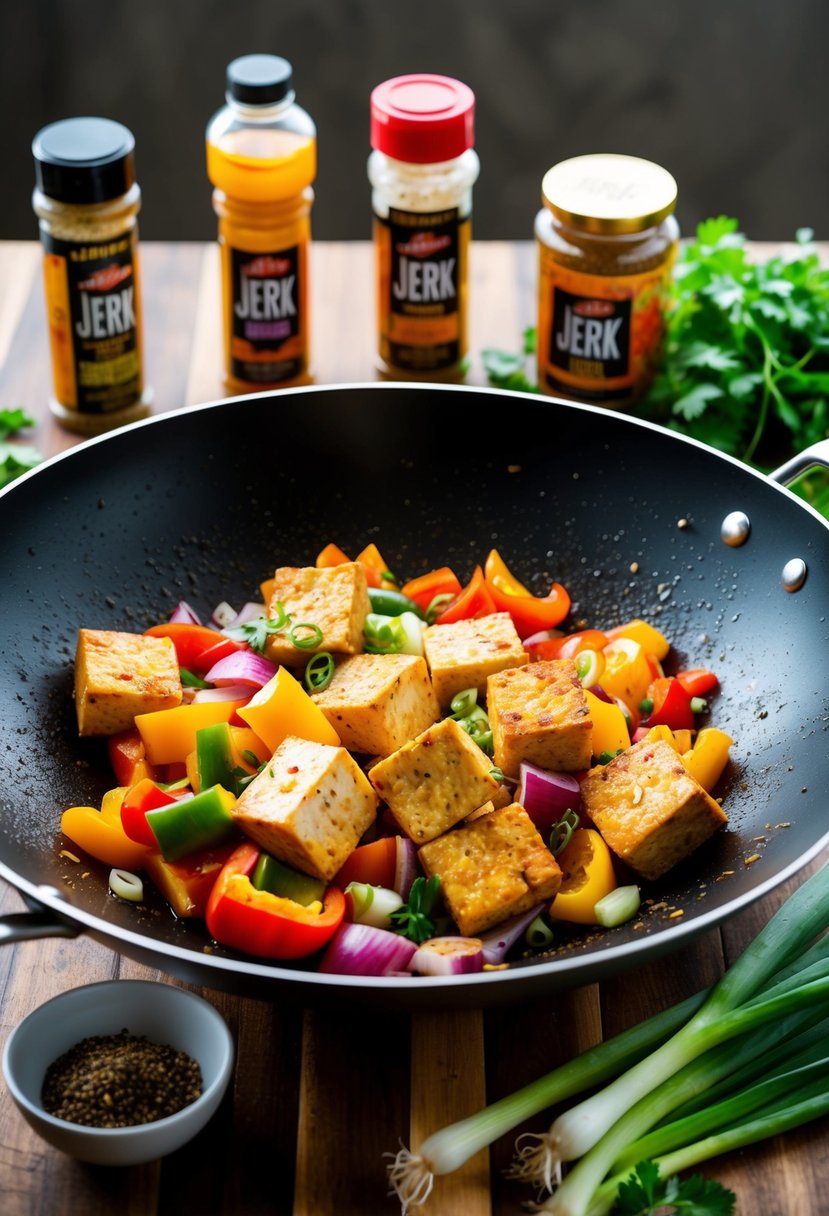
{"x": 567, "y": 645}
{"x": 425, "y": 587}
{"x": 331, "y": 555}
{"x": 530, "y": 613}
{"x": 170, "y": 734}
{"x": 697, "y": 681}
{"x": 377, "y": 571}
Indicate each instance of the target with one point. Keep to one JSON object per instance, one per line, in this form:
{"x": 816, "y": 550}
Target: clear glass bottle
{"x": 607, "y": 241}
{"x": 422, "y": 170}
{"x": 261, "y": 160}
{"x": 87, "y": 202}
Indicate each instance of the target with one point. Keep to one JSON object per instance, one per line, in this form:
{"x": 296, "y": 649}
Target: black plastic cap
{"x": 259, "y": 80}
{"x": 84, "y": 160}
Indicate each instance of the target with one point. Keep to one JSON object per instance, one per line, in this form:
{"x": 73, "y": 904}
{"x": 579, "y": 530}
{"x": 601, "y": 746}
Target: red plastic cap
{"x": 422, "y": 118}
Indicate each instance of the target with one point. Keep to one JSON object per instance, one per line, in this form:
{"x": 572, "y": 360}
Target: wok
{"x": 203, "y": 503}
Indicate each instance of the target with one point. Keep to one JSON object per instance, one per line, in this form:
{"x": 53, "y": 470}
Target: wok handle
{"x": 36, "y": 923}
{"x": 815, "y": 456}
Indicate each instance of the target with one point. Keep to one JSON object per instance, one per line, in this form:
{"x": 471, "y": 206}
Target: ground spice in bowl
{"x": 120, "y": 1080}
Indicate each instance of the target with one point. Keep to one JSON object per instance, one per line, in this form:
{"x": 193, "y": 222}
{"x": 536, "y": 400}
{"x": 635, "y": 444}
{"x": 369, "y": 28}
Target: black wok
{"x": 204, "y": 503}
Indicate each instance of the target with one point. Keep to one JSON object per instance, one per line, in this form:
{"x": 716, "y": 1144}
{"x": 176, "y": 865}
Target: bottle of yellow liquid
{"x": 261, "y": 160}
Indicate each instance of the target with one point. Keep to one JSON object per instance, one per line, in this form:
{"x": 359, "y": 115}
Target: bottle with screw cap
{"x": 261, "y": 160}
{"x": 87, "y": 202}
{"x": 422, "y": 169}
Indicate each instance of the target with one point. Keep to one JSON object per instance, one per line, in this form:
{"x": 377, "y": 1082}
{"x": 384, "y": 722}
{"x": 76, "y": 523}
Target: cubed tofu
{"x": 539, "y": 713}
{"x": 378, "y": 702}
{"x": 119, "y": 675}
{"x": 648, "y": 807}
{"x": 335, "y": 599}
{"x": 309, "y": 806}
{"x": 435, "y": 780}
{"x": 490, "y": 869}
{"x": 463, "y": 654}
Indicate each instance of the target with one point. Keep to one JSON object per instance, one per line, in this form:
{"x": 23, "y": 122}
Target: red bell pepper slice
{"x": 197, "y": 646}
{"x": 671, "y": 705}
{"x": 128, "y": 757}
{"x": 530, "y": 613}
{"x": 697, "y": 681}
{"x": 566, "y": 647}
{"x": 425, "y": 587}
{"x": 144, "y": 796}
{"x": 374, "y": 863}
{"x": 266, "y": 925}
{"x": 473, "y": 601}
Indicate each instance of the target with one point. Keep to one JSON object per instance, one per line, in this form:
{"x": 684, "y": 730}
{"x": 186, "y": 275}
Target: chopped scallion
{"x": 305, "y": 641}
{"x": 617, "y": 906}
{"x": 319, "y": 671}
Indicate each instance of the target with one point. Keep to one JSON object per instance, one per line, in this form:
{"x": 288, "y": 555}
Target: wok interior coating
{"x": 203, "y": 504}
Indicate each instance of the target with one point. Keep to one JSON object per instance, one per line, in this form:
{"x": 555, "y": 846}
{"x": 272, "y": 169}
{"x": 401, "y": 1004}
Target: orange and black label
{"x": 420, "y": 285}
{"x": 266, "y": 344}
{"x": 599, "y": 337}
{"x": 93, "y": 307}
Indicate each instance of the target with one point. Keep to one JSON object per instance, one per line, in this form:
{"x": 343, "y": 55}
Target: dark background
{"x": 730, "y": 96}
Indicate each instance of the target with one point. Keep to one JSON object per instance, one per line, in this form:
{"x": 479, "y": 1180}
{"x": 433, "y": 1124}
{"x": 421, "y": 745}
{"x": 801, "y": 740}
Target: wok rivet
{"x": 735, "y": 529}
{"x": 794, "y": 574}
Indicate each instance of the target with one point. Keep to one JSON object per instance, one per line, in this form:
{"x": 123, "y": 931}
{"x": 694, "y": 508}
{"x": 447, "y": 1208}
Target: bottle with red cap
{"x": 422, "y": 170}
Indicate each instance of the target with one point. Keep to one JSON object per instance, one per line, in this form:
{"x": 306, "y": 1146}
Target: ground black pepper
{"x": 120, "y": 1080}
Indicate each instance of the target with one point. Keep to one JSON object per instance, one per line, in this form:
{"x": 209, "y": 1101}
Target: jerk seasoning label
{"x": 420, "y": 266}
{"x": 266, "y": 340}
{"x": 92, "y": 299}
{"x": 599, "y": 338}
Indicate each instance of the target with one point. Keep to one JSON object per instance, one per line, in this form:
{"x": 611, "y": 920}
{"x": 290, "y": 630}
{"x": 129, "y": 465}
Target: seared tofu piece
{"x": 334, "y": 599}
{"x": 648, "y": 807}
{"x": 490, "y": 869}
{"x": 463, "y": 654}
{"x": 119, "y": 675}
{"x": 308, "y": 806}
{"x": 435, "y": 780}
{"x": 539, "y": 713}
{"x": 378, "y": 702}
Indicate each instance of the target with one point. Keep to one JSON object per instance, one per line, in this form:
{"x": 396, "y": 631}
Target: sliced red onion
{"x": 639, "y": 734}
{"x": 183, "y": 614}
{"x": 545, "y": 796}
{"x": 228, "y": 692}
{"x": 366, "y": 950}
{"x": 497, "y": 944}
{"x": 543, "y": 635}
{"x": 248, "y": 612}
{"x": 599, "y": 692}
{"x": 223, "y": 614}
{"x": 407, "y": 867}
{"x": 242, "y": 667}
{"x": 448, "y": 956}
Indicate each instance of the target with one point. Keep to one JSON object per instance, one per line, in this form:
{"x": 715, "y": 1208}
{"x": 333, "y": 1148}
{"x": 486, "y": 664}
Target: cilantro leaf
{"x": 257, "y": 632}
{"x": 414, "y": 918}
{"x": 15, "y": 458}
{"x": 645, "y": 1193}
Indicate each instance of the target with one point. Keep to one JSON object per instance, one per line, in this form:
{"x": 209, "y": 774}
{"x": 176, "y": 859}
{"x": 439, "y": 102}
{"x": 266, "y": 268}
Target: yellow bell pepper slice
{"x": 610, "y": 730}
{"x": 587, "y": 866}
{"x": 243, "y": 739}
{"x": 650, "y": 639}
{"x": 281, "y": 708}
{"x": 708, "y": 757}
{"x": 100, "y": 834}
{"x": 627, "y": 673}
{"x": 170, "y": 734}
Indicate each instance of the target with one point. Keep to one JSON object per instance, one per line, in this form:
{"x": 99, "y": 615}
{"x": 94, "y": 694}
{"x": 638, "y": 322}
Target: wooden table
{"x": 317, "y": 1098}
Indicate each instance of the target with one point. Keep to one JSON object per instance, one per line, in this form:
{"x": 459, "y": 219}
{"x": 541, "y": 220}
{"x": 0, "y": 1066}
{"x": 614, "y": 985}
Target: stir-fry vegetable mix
{"x": 425, "y": 778}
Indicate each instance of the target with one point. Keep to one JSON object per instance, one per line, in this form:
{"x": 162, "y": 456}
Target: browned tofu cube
{"x": 435, "y": 780}
{"x": 119, "y": 675}
{"x": 463, "y": 654}
{"x": 309, "y": 806}
{"x": 539, "y": 713}
{"x": 378, "y": 702}
{"x": 649, "y": 809}
{"x": 490, "y": 869}
{"x": 334, "y": 599}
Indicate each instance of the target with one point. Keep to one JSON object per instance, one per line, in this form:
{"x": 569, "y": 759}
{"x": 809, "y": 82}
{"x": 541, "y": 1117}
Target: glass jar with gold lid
{"x": 607, "y": 240}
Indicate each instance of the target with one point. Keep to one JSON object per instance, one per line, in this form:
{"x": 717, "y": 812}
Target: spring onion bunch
{"x": 683, "y": 1085}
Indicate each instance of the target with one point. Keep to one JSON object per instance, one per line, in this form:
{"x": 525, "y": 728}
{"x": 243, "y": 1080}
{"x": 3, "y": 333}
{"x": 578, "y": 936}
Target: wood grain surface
{"x": 318, "y": 1097}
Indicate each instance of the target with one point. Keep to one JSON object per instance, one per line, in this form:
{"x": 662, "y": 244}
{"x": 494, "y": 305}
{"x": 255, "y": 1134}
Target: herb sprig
{"x": 414, "y": 918}
{"x": 15, "y": 458}
{"x": 645, "y": 1194}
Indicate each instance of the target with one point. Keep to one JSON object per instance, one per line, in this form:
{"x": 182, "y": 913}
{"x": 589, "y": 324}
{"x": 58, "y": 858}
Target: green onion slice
{"x": 563, "y": 831}
{"x": 309, "y": 640}
{"x": 126, "y": 885}
{"x": 617, "y": 906}
{"x": 538, "y": 934}
{"x": 319, "y": 671}
{"x": 437, "y": 605}
{"x": 463, "y": 703}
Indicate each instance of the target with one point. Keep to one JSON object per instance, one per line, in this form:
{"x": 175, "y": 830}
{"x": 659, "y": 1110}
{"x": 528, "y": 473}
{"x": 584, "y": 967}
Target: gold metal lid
{"x": 606, "y": 193}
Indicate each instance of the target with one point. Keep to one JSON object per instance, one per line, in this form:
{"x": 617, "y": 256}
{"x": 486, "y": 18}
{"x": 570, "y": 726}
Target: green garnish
{"x": 562, "y": 832}
{"x": 257, "y": 632}
{"x": 307, "y": 641}
{"x": 15, "y": 458}
{"x": 414, "y": 918}
{"x": 319, "y": 671}
{"x": 645, "y": 1194}
{"x": 189, "y": 680}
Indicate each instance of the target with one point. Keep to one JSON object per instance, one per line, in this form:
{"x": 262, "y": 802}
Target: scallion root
{"x": 410, "y": 1178}
{"x": 536, "y": 1161}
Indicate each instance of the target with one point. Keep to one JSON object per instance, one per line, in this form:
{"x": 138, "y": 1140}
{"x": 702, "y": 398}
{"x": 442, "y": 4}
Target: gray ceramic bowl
{"x": 162, "y": 1013}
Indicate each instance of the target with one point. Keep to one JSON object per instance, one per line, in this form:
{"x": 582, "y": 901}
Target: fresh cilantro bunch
{"x": 15, "y": 458}
{"x": 646, "y": 1193}
{"x": 414, "y": 919}
{"x": 747, "y": 347}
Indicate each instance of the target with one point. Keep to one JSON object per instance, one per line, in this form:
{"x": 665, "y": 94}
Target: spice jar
{"x": 607, "y": 240}
{"x": 422, "y": 169}
{"x": 87, "y": 201}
